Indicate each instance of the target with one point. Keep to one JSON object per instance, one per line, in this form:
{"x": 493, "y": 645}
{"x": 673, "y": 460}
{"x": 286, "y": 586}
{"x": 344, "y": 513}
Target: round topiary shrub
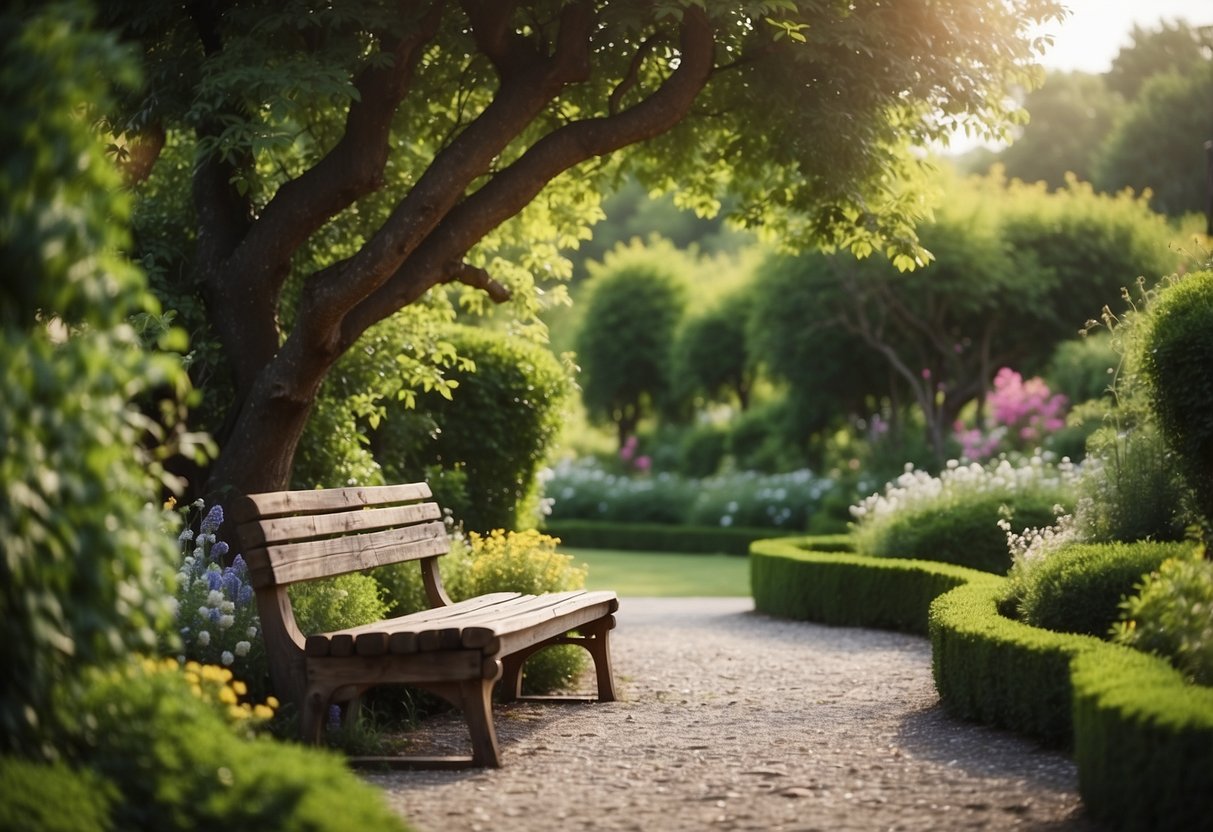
{"x": 1176, "y": 355}
{"x": 1079, "y": 588}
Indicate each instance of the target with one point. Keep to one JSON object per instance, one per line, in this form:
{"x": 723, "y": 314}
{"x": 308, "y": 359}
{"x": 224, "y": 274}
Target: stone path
{"x": 731, "y": 720}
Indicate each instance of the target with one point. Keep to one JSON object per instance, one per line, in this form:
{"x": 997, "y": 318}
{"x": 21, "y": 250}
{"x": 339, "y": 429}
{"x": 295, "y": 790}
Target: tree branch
{"x": 350, "y": 170}
{"x": 477, "y": 278}
{"x": 510, "y": 190}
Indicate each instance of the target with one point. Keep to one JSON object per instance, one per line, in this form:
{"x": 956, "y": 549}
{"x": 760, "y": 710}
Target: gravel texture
{"x": 732, "y": 720}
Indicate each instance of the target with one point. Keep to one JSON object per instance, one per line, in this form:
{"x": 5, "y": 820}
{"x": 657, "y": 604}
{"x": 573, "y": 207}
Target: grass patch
{"x": 664, "y": 574}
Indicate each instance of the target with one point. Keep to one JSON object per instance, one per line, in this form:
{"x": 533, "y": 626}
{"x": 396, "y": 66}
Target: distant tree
{"x": 711, "y": 357}
{"x": 343, "y": 159}
{"x": 1071, "y": 115}
{"x": 1173, "y": 48}
{"x": 1158, "y": 143}
{"x": 636, "y": 302}
{"x": 1016, "y": 271}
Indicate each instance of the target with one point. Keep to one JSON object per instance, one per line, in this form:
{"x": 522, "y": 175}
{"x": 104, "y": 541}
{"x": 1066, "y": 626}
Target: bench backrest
{"x": 290, "y": 536}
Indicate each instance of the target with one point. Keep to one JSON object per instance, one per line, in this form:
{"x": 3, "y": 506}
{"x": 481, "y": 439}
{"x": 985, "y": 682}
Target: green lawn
{"x": 664, "y": 573}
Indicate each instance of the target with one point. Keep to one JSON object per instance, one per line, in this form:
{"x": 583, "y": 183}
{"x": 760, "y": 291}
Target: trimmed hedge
{"x": 1143, "y": 741}
{"x": 789, "y": 579}
{"x": 655, "y": 537}
{"x": 1141, "y": 736}
{"x": 1001, "y": 672}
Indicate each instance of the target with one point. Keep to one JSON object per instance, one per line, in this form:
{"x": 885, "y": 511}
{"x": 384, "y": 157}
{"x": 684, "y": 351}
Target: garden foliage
{"x": 1176, "y": 354}
{"x": 1171, "y": 615}
{"x": 635, "y": 304}
{"x": 496, "y": 427}
{"x": 1080, "y": 587}
{"x": 955, "y": 516}
{"x": 83, "y": 543}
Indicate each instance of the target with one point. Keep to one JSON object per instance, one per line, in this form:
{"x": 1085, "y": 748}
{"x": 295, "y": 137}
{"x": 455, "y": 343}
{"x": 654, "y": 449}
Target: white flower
{"x": 204, "y": 611}
{"x": 214, "y": 599}
{"x": 199, "y": 503}
{"x": 227, "y": 607}
{"x": 251, "y": 632}
{"x": 186, "y": 536}
{"x": 242, "y": 648}
{"x": 226, "y": 621}
{"x": 174, "y": 606}
{"x": 227, "y": 658}
{"x": 204, "y": 638}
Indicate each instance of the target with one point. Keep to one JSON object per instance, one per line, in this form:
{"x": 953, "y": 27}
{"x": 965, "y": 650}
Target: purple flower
{"x": 219, "y": 550}
{"x": 245, "y": 595}
{"x": 214, "y": 579}
{"x": 239, "y": 566}
{"x": 213, "y": 520}
{"x": 231, "y": 584}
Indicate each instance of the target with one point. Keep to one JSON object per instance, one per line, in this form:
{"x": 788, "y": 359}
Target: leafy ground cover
{"x": 664, "y": 574}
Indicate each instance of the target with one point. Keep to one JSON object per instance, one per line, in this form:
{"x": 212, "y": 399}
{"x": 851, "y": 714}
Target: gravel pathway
{"x": 732, "y": 720}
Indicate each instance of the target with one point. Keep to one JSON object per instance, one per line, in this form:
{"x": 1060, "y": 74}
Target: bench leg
{"x": 477, "y": 697}
{"x": 597, "y": 641}
{"x": 312, "y": 716}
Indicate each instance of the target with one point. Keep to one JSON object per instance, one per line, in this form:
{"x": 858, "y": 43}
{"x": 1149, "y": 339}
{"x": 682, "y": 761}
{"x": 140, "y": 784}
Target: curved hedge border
{"x": 789, "y": 579}
{"x": 1142, "y": 739}
{"x": 1000, "y": 672}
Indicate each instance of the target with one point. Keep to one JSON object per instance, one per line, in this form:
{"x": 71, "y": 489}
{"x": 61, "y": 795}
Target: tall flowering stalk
{"x": 216, "y": 613}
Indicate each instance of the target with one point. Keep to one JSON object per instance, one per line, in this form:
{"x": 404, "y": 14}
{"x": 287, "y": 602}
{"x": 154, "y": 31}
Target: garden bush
{"x": 1171, "y": 615}
{"x": 954, "y": 517}
{"x": 1080, "y": 587}
{"x": 495, "y": 429}
{"x": 179, "y": 747}
{"x": 82, "y": 535}
{"x": 583, "y": 490}
{"x": 815, "y": 578}
{"x": 1176, "y": 353}
{"x": 337, "y": 603}
{"x": 502, "y": 561}
{"x": 53, "y": 798}
{"x": 1143, "y": 742}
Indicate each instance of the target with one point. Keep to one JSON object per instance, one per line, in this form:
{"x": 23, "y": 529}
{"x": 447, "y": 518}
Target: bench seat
{"x": 460, "y": 651}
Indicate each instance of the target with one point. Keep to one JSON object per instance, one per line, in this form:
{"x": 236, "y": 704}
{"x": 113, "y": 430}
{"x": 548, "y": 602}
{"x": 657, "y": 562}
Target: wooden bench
{"x": 459, "y": 651}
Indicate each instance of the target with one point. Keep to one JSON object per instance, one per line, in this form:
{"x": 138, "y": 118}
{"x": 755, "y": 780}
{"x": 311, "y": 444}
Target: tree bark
{"x": 425, "y": 239}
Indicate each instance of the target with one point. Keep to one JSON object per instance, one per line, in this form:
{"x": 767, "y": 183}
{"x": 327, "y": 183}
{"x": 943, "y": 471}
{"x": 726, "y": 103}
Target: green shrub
{"x": 336, "y": 603}
{"x": 1177, "y": 351}
{"x": 1131, "y": 488}
{"x": 83, "y": 541}
{"x": 182, "y": 757}
{"x": 524, "y": 562}
{"x": 955, "y": 517}
{"x": 53, "y": 798}
{"x": 828, "y": 585}
{"x": 635, "y": 303}
{"x": 1143, "y": 742}
{"x": 1082, "y": 369}
{"x": 1001, "y": 672}
{"x": 495, "y": 430}
{"x": 702, "y": 450}
{"x": 710, "y": 356}
{"x": 1172, "y": 616}
{"x": 1079, "y": 588}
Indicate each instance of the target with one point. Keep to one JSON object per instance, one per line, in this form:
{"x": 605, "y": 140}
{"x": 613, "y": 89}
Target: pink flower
{"x": 643, "y": 464}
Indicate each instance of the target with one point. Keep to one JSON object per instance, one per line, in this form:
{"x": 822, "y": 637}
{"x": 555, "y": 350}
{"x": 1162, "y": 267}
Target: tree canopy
{"x": 345, "y": 159}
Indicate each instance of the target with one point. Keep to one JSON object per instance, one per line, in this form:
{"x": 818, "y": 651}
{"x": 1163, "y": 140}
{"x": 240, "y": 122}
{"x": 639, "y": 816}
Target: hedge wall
{"x": 655, "y": 537}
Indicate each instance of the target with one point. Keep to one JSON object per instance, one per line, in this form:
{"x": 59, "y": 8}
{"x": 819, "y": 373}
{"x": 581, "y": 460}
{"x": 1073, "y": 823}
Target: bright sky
{"x": 1095, "y": 30}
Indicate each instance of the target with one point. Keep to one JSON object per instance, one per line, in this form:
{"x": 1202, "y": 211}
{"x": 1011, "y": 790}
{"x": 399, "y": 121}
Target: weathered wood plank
{"x": 295, "y": 562}
{"x": 307, "y": 527}
{"x": 279, "y": 503}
